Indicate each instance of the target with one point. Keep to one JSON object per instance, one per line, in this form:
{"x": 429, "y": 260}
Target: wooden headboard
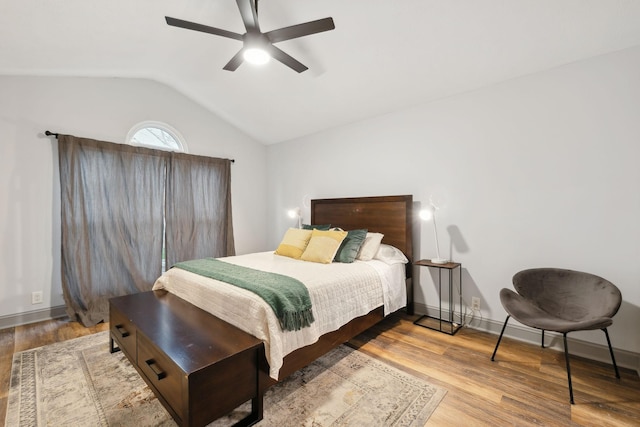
{"x": 389, "y": 215}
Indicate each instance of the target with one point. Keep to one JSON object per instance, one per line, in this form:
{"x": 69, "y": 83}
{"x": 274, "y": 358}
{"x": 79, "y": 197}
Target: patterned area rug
{"x": 79, "y": 383}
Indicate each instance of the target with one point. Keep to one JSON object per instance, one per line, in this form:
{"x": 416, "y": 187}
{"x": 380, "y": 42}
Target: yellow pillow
{"x": 294, "y": 242}
{"x": 323, "y": 246}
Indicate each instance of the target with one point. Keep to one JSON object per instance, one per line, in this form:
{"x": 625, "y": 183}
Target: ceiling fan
{"x": 256, "y": 45}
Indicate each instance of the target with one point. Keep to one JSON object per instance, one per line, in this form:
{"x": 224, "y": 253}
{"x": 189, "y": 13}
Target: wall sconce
{"x": 296, "y": 213}
{"x": 430, "y": 214}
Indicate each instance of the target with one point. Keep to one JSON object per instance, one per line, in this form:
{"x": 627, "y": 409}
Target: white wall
{"x": 102, "y": 109}
{"x": 538, "y": 171}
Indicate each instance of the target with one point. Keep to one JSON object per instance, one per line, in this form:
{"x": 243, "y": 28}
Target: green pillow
{"x": 322, "y": 227}
{"x": 350, "y": 246}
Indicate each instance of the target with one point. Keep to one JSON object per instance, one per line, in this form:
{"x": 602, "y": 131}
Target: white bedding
{"x": 339, "y": 293}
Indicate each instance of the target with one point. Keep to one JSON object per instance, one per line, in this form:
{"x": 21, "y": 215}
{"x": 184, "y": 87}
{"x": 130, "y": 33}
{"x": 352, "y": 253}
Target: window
{"x": 158, "y": 135}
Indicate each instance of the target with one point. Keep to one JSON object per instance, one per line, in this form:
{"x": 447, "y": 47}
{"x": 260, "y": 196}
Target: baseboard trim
{"x": 32, "y": 316}
{"x": 581, "y": 348}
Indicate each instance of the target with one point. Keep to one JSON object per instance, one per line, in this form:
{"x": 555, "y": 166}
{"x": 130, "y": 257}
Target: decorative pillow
{"x": 350, "y": 246}
{"x": 370, "y": 246}
{"x": 316, "y": 227}
{"x": 323, "y": 246}
{"x": 294, "y": 243}
{"x": 390, "y": 255}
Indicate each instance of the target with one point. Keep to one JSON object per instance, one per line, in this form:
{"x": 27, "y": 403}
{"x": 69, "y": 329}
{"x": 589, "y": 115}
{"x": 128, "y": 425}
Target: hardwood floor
{"x": 526, "y": 385}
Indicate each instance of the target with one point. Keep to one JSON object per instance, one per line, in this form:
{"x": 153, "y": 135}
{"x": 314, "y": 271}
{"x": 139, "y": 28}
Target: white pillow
{"x": 390, "y": 255}
{"x": 370, "y": 246}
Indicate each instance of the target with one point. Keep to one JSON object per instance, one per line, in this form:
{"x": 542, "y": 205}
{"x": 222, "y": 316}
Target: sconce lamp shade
{"x": 427, "y": 214}
{"x": 293, "y": 213}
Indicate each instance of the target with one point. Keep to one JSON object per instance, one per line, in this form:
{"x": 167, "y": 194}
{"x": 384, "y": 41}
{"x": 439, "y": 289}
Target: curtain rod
{"x": 48, "y": 133}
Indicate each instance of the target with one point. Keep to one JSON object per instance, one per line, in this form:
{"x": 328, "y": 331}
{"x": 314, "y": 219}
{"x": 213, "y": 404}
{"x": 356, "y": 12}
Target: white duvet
{"x": 339, "y": 293}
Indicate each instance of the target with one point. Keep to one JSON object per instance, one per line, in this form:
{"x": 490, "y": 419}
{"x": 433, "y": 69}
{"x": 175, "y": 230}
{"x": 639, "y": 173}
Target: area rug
{"x": 79, "y": 383}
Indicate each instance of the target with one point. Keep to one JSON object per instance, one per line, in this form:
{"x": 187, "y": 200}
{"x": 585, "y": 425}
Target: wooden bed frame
{"x": 200, "y": 357}
{"x": 389, "y": 215}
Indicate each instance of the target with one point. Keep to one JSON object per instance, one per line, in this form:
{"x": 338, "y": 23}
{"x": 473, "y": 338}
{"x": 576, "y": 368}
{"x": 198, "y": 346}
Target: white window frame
{"x": 178, "y": 138}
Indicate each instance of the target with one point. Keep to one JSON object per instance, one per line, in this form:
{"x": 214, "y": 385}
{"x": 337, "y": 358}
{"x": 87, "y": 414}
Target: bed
{"x": 342, "y": 311}
{"x": 177, "y": 329}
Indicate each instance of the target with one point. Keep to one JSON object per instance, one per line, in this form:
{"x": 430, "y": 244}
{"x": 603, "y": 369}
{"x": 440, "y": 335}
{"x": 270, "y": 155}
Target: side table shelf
{"x": 446, "y": 325}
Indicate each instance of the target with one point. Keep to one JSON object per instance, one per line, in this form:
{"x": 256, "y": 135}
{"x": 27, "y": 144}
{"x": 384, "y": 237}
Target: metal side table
{"x": 446, "y": 325}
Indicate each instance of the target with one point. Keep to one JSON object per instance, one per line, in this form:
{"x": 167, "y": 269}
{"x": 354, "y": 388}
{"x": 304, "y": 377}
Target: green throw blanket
{"x": 288, "y": 297}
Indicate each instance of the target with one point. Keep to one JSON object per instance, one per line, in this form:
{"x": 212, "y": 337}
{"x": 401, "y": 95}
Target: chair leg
{"x": 500, "y": 338}
{"x": 543, "y": 338}
{"x": 566, "y": 356}
{"x": 613, "y": 359}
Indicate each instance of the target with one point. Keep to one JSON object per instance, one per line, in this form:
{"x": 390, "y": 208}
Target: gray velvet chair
{"x": 562, "y": 301}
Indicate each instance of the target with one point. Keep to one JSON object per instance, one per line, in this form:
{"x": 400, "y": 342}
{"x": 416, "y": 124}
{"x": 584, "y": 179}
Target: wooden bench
{"x": 198, "y": 366}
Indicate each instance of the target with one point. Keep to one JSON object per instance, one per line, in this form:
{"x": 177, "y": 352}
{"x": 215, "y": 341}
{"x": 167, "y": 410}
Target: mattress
{"x": 339, "y": 292}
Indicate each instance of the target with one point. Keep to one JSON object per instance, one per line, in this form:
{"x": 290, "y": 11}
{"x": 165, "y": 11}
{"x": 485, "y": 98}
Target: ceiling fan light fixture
{"x": 256, "y": 56}
{"x": 258, "y": 47}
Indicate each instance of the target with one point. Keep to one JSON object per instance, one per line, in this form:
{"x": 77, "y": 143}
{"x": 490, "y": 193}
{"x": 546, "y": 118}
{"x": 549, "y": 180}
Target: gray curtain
{"x": 112, "y": 222}
{"x": 198, "y": 211}
{"x": 116, "y": 202}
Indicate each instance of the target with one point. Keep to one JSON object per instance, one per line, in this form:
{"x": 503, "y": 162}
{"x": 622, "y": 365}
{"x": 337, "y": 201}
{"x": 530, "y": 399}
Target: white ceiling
{"x": 383, "y": 55}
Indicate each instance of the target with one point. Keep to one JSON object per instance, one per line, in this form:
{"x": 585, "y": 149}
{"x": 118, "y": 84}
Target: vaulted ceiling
{"x": 384, "y": 55}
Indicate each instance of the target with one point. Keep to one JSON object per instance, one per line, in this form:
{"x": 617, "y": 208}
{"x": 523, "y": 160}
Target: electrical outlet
{"x": 36, "y": 297}
{"x": 475, "y": 303}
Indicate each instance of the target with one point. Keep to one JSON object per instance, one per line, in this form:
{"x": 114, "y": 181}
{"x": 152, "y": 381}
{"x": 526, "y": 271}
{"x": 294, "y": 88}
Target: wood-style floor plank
{"x": 525, "y": 386}
{"x": 7, "y": 344}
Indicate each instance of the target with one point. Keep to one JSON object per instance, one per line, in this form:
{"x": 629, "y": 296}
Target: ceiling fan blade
{"x": 286, "y": 59}
{"x": 300, "y": 30}
{"x": 235, "y": 62}
{"x": 249, "y": 15}
{"x": 202, "y": 28}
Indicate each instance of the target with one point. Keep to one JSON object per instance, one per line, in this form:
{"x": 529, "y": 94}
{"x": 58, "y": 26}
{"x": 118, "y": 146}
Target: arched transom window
{"x": 152, "y": 134}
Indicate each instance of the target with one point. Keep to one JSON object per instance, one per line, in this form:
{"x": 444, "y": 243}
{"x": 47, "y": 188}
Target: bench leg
{"x": 255, "y": 415}
{"x": 112, "y": 348}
